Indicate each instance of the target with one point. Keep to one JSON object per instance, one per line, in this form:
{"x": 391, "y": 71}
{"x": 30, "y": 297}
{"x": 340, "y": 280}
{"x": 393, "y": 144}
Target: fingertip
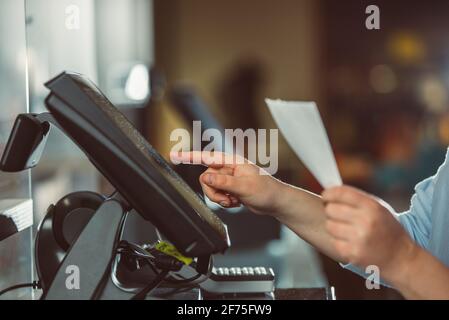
{"x": 208, "y": 178}
{"x": 233, "y": 199}
{"x": 218, "y": 197}
{"x": 225, "y": 203}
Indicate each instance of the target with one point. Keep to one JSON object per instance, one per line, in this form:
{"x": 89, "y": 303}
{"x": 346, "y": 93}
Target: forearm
{"x": 303, "y": 212}
{"x": 406, "y": 266}
{"x": 421, "y": 277}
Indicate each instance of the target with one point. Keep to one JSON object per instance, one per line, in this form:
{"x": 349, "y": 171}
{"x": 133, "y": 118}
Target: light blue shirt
{"x": 427, "y": 220}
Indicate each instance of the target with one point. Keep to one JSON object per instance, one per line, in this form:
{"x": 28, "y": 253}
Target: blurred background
{"x": 383, "y": 95}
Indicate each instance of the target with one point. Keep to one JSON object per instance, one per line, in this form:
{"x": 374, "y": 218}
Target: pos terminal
{"x": 110, "y": 267}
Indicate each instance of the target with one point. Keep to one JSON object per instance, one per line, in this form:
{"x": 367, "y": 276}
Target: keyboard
{"x": 240, "y": 280}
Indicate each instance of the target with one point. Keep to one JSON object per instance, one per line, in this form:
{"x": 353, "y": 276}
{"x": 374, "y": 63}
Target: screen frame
{"x": 123, "y": 164}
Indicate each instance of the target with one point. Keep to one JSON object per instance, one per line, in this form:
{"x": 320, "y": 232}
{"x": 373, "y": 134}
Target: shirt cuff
{"x": 361, "y": 273}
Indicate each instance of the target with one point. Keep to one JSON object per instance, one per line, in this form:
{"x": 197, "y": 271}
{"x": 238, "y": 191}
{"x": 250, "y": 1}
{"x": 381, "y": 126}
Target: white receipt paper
{"x": 302, "y": 127}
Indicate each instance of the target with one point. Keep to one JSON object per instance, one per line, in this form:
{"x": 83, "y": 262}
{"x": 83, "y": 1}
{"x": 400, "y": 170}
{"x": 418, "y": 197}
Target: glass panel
{"x": 110, "y": 42}
{"x": 102, "y": 39}
{"x": 60, "y": 36}
{"x": 15, "y": 251}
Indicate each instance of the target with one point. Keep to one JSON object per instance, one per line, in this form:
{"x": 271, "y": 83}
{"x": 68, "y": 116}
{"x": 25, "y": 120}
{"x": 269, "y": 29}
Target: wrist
{"x": 404, "y": 265}
{"x": 290, "y": 202}
{"x": 279, "y": 198}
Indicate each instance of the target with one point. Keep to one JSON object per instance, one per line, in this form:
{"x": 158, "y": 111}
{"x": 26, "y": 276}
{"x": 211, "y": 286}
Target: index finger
{"x": 210, "y": 159}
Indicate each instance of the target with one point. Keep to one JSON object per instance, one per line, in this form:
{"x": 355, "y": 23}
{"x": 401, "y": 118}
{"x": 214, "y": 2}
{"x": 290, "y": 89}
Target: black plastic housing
{"x": 25, "y": 143}
{"x": 134, "y": 167}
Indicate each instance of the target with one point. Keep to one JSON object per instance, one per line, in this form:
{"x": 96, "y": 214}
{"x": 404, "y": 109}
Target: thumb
{"x": 223, "y": 182}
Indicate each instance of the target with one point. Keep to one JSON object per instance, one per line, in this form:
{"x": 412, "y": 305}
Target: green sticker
{"x": 170, "y": 250}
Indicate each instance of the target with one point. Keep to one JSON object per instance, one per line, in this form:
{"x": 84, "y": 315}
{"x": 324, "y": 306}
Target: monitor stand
{"x": 87, "y": 264}
{"x": 88, "y": 270}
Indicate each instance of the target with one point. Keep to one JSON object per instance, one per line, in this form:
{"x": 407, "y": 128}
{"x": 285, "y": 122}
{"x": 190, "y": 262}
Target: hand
{"x": 365, "y": 232}
{"x": 231, "y": 181}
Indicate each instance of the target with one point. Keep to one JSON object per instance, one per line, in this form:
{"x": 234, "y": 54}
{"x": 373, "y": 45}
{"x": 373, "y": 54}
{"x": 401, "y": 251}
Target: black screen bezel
{"x": 124, "y": 166}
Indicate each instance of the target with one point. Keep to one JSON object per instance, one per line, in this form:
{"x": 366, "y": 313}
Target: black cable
{"x": 141, "y": 295}
{"x": 104, "y": 279}
{"x": 126, "y": 248}
{"x": 192, "y": 279}
{"x": 34, "y": 284}
{"x": 172, "y": 280}
{"x": 161, "y": 269}
{"x": 184, "y": 280}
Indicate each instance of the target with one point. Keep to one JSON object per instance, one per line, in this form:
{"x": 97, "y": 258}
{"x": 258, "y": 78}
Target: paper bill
{"x": 302, "y": 127}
